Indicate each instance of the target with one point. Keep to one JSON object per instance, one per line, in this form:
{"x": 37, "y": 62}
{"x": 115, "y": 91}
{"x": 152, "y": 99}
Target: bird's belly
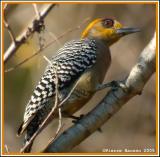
{"x": 76, "y": 101}
{"x": 86, "y": 86}
{"x": 85, "y": 89}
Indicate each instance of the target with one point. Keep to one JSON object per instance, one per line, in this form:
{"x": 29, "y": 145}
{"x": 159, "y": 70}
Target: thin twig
{"x": 7, "y": 149}
{"x": 42, "y": 27}
{"x": 59, "y": 128}
{"x": 36, "y": 11}
{"x": 47, "y": 45}
{"x": 60, "y": 121}
{"x": 55, "y": 38}
{"x": 56, "y": 100}
{"x": 7, "y": 26}
{"x": 5, "y": 6}
{"x": 47, "y": 60}
{"x": 54, "y": 137}
{"x": 34, "y": 26}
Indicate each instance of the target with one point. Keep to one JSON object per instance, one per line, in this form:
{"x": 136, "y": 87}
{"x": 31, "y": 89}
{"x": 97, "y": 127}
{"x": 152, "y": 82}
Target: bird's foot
{"x": 76, "y": 119}
{"x": 114, "y": 85}
{"x": 119, "y": 84}
{"x": 99, "y": 130}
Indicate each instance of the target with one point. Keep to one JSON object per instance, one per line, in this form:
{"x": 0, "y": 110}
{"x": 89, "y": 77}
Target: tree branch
{"x": 35, "y": 26}
{"x": 111, "y": 103}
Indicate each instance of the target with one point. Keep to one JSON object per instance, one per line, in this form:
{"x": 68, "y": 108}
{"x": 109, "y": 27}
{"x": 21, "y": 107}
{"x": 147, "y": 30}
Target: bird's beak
{"x": 125, "y": 31}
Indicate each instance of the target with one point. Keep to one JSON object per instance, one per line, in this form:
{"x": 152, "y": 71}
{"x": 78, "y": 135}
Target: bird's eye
{"x": 108, "y": 23}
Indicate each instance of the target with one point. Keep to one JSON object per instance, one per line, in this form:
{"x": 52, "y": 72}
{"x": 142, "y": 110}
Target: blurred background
{"x": 133, "y": 127}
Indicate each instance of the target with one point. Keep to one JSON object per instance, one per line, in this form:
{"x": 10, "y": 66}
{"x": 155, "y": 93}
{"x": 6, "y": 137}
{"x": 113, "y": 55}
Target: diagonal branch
{"x": 36, "y": 11}
{"x": 7, "y": 26}
{"x": 35, "y": 26}
{"x": 112, "y": 102}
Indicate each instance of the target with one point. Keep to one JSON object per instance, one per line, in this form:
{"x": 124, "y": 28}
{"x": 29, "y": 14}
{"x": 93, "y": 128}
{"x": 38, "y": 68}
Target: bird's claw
{"x": 99, "y": 130}
{"x": 77, "y": 119}
{"x": 114, "y": 85}
{"x": 119, "y": 84}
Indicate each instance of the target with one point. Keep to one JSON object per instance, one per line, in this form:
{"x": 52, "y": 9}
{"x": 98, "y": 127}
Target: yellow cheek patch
{"x": 108, "y": 33}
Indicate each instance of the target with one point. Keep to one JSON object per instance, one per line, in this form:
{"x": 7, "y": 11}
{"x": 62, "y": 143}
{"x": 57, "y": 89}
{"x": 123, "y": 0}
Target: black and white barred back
{"x": 71, "y": 61}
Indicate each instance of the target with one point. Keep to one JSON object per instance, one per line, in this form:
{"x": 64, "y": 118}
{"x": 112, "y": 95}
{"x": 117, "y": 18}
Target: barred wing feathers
{"x": 71, "y": 61}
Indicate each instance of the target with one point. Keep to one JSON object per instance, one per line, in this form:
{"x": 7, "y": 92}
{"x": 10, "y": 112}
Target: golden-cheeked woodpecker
{"x": 83, "y": 62}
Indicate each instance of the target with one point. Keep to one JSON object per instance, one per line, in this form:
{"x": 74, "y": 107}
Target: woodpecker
{"x": 83, "y": 62}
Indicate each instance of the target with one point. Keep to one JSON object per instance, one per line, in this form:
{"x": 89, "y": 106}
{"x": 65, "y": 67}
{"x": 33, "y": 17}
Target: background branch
{"x": 47, "y": 45}
{"x": 7, "y": 26}
{"x": 34, "y": 26}
{"x": 111, "y": 103}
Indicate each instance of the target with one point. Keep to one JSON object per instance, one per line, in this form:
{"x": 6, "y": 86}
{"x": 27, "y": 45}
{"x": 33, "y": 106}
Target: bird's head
{"x": 107, "y": 29}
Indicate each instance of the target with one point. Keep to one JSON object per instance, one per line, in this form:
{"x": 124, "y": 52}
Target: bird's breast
{"x": 87, "y": 83}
